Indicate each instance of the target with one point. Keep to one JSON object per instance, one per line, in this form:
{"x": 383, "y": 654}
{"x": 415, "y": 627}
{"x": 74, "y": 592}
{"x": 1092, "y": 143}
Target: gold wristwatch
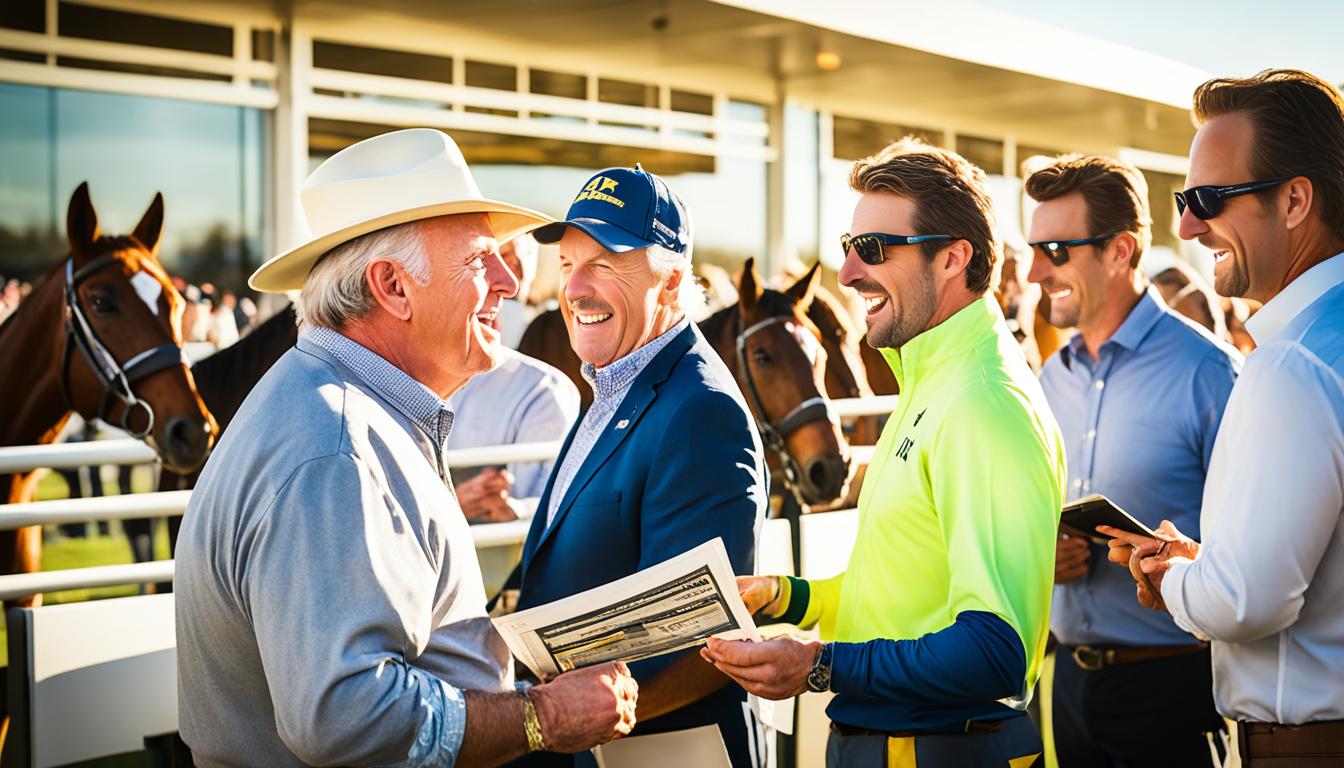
{"x": 536, "y": 742}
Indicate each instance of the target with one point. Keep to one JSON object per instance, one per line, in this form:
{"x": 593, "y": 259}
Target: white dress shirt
{"x": 1268, "y": 584}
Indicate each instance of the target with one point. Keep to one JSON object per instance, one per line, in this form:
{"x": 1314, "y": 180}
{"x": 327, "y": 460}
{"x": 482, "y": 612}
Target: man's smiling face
{"x": 609, "y": 300}
{"x": 899, "y": 294}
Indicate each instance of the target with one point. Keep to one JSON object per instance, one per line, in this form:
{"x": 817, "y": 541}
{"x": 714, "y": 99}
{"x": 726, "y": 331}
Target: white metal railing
{"x": 512, "y": 533}
{"x": 25, "y": 458}
{"x": 172, "y": 503}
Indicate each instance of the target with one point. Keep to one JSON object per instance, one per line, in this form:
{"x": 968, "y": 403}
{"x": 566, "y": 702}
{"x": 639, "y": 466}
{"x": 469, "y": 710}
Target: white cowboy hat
{"x": 395, "y": 178}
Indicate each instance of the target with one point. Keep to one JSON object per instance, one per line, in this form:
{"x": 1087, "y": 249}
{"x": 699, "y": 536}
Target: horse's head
{"x": 782, "y": 366}
{"x": 123, "y": 359}
{"x": 845, "y": 374}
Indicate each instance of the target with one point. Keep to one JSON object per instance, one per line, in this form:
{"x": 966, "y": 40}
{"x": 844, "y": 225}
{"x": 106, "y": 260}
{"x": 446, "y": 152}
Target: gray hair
{"x": 690, "y": 295}
{"x": 336, "y": 292}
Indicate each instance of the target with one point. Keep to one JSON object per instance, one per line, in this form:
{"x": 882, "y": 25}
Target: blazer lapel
{"x": 642, "y": 393}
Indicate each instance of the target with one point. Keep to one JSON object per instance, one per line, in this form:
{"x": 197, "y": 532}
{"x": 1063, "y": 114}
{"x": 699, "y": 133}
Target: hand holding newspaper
{"x": 664, "y": 608}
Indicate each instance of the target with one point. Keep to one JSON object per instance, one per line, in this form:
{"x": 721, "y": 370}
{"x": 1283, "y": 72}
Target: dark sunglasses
{"x": 1207, "y": 201}
{"x": 1057, "y": 251}
{"x": 870, "y": 244}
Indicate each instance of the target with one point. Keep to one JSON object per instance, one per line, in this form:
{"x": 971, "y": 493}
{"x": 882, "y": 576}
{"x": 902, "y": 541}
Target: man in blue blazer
{"x": 666, "y": 458}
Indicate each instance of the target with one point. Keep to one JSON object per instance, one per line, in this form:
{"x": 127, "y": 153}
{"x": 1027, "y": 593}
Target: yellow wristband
{"x": 536, "y": 742}
{"x": 781, "y": 601}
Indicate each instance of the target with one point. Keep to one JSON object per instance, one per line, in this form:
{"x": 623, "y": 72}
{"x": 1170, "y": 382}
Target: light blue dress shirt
{"x": 443, "y": 708}
{"x": 1139, "y": 424}
{"x": 610, "y": 385}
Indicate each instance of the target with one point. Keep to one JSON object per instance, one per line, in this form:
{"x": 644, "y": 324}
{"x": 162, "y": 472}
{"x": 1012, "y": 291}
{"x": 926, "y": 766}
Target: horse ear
{"x": 81, "y": 224}
{"x": 802, "y": 291}
{"x": 151, "y": 225}
{"x": 749, "y": 288}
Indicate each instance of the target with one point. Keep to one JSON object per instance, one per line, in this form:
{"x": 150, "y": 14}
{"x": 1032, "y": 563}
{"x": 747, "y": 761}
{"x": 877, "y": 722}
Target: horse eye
{"x": 104, "y": 303}
{"x": 761, "y": 356}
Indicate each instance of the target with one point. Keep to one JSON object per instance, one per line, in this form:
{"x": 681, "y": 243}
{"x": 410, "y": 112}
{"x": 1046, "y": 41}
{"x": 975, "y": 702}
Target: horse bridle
{"x": 116, "y": 377}
{"x": 773, "y": 434}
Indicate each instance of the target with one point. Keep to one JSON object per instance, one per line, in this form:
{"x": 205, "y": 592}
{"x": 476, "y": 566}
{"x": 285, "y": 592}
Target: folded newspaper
{"x": 664, "y": 608}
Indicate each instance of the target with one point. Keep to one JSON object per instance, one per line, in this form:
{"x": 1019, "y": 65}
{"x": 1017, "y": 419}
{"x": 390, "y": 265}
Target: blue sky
{"x": 1223, "y": 37}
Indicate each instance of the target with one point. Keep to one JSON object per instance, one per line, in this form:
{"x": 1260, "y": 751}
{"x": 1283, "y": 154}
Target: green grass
{"x": 61, "y": 553}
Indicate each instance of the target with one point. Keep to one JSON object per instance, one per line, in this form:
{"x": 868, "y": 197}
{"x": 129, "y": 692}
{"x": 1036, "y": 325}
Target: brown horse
{"x": 100, "y": 336}
{"x": 776, "y": 355}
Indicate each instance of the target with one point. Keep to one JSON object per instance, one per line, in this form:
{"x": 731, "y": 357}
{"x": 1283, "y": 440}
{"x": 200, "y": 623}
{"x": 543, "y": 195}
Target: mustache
{"x": 867, "y": 286}
{"x": 589, "y": 305}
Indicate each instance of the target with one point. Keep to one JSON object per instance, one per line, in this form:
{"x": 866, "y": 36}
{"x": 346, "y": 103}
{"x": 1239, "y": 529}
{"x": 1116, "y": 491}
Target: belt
{"x": 969, "y": 728}
{"x": 1094, "y": 657}
{"x": 1320, "y": 739}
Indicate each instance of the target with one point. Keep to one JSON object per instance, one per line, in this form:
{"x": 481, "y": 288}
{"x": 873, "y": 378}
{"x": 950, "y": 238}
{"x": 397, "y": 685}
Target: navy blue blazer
{"x": 686, "y": 468}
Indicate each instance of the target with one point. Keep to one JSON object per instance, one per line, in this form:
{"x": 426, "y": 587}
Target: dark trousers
{"x": 1016, "y": 744}
{"x": 1147, "y": 714}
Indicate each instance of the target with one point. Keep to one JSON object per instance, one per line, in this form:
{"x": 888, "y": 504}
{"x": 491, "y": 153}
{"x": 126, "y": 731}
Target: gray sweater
{"x": 327, "y": 584}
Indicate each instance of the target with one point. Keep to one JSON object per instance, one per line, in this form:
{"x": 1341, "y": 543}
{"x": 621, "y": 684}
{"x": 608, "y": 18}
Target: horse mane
{"x": 225, "y": 378}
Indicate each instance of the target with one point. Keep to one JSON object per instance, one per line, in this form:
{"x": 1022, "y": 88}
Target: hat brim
{"x": 289, "y": 270}
{"x": 608, "y": 235}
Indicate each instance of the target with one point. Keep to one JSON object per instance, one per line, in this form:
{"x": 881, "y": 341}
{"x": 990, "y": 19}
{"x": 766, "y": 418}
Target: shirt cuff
{"x": 443, "y": 723}
{"x": 1173, "y": 594}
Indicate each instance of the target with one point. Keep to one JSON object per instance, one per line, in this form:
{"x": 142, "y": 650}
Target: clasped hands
{"x": 1149, "y": 559}
{"x": 773, "y": 669}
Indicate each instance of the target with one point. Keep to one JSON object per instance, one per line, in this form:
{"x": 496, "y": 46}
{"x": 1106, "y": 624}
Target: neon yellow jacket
{"x": 958, "y": 513}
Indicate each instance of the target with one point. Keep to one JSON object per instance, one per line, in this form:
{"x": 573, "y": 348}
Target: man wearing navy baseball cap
{"x": 666, "y": 458}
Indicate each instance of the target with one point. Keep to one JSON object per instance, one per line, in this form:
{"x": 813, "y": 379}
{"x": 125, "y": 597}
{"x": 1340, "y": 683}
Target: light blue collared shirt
{"x": 1139, "y": 424}
{"x": 610, "y": 385}
{"x": 443, "y": 708}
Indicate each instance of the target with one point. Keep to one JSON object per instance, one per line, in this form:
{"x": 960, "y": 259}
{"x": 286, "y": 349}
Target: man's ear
{"x": 667, "y": 295}
{"x": 1300, "y": 194}
{"x": 1121, "y": 252}
{"x": 387, "y": 284}
{"x": 953, "y": 260}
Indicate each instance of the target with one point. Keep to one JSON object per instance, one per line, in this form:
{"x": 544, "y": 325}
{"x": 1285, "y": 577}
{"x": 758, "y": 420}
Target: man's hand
{"x": 775, "y": 669}
{"x": 1072, "y": 552}
{"x": 760, "y": 593}
{"x": 587, "y": 707}
{"x": 1148, "y": 559}
{"x": 485, "y": 497}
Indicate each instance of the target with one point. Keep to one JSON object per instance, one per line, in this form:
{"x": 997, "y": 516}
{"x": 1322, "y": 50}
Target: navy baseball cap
{"x": 624, "y": 209}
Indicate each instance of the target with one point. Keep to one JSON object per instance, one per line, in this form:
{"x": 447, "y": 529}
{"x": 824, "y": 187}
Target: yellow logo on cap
{"x": 597, "y": 190}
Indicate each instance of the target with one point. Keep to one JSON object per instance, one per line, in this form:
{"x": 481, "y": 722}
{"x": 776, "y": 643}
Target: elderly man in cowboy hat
{"x": 329, "y": 603}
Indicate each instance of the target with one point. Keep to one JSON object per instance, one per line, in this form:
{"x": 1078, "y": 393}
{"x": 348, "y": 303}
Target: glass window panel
{"x": 207, "y": 159}
{"x": 30, "y": 238}
{"x": 263, "y": 45}
{"x": 381, "y": 61}
{"x": 500, "y": 77}
{"x": 853, "y": 138}
{"x": 627, "y": 93}
{"x": 562, "y": 84}
{"x": 25, "y": 15}
{"x": 986, "y": 153}
{"x": 697, "y": 103}
{"x": 93, "y": 23}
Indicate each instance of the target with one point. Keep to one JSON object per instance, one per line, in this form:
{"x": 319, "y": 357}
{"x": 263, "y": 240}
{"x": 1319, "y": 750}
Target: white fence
{"x": 170, "y": 503}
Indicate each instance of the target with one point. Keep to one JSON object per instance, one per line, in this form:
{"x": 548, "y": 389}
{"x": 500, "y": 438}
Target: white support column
{"x": 776, "y": 188}
{"x": 52, "y": 31}
{"x": 242, "y": 55}
{"x": 1010, "y": 164}
{"x": 294, "y": 59}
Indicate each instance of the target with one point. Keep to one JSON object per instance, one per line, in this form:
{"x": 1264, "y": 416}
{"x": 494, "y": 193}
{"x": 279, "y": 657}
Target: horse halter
{"x": 773, "y": 434}
{"x": 116, "y": 377}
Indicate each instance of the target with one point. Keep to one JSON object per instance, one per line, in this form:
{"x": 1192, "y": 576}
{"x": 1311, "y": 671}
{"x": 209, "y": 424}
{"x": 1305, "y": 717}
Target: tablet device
{"x": 1085, "y": 514}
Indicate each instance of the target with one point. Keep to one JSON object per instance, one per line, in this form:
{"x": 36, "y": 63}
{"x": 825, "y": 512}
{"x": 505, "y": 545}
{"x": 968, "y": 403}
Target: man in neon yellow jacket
{"x": 933, "y": 636}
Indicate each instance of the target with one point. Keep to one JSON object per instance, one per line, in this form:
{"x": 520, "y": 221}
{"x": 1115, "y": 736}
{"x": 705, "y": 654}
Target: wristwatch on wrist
{"x": 819, "y": 679}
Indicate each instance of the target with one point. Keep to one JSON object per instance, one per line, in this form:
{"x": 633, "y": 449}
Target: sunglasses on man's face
{"x": 1057, "y": 251}
{"x": 869, "y": 246}
{"x": 1207, "y": 201}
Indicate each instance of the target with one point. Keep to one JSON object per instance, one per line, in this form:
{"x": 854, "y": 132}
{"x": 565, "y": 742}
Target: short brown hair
{"x": 1299, "y": 130}
{"x": 950, "y": 197}
{"x": 1115, "y": 192}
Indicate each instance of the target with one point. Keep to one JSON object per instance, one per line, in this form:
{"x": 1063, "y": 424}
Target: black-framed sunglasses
{"x": 1057, "y": 251}
{"x": 869, "y": 246}
{"x": 1207, "y": 201}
